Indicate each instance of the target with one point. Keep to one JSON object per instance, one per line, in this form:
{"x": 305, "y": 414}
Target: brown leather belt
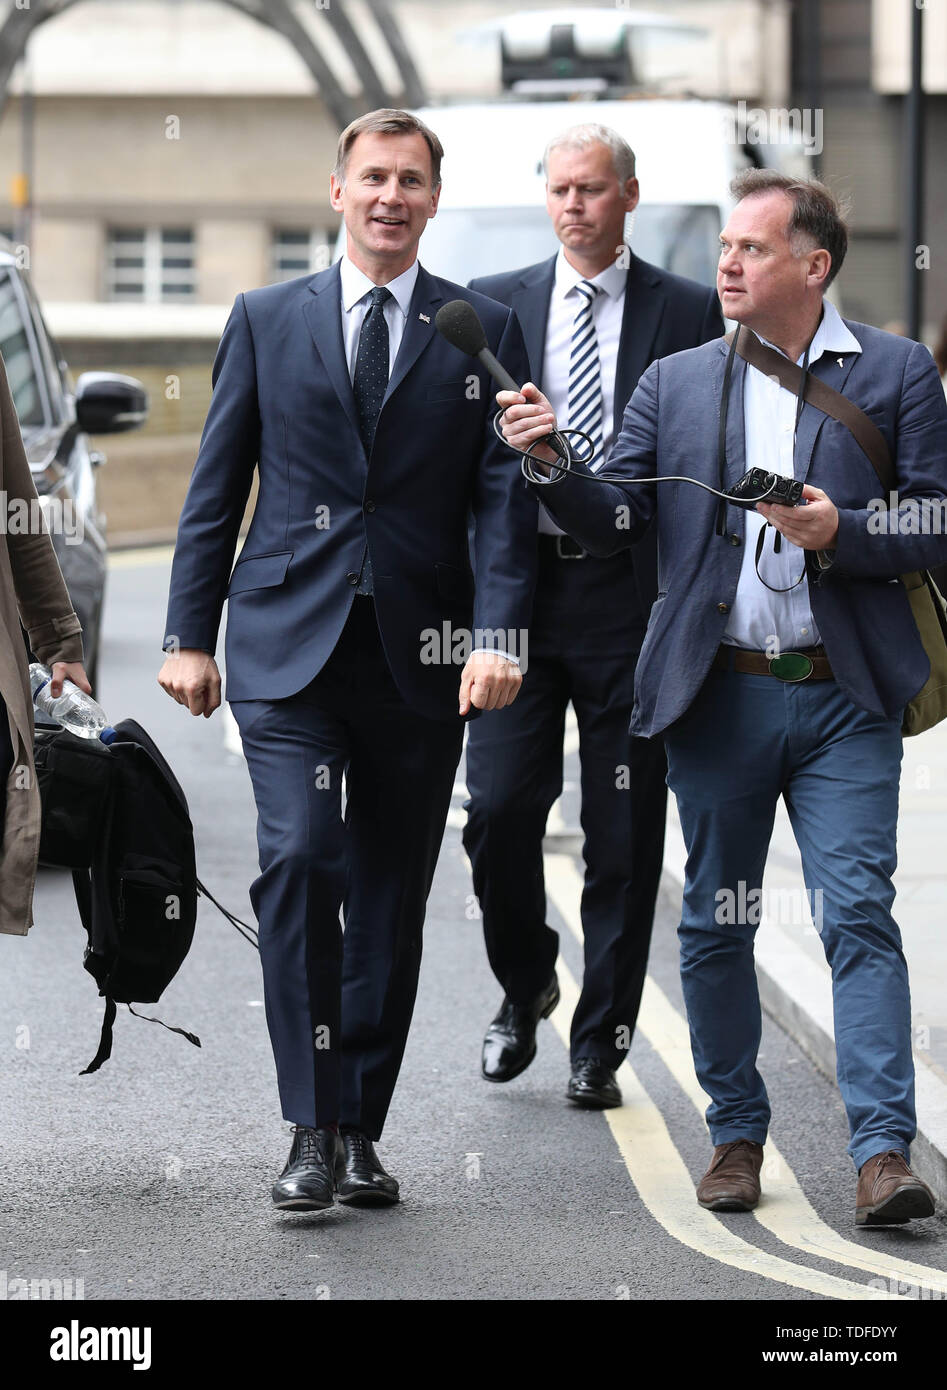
{"x": 788, "y": 666}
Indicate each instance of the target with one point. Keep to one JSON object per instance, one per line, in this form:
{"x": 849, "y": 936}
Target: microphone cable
{"x": 567, "y": 459}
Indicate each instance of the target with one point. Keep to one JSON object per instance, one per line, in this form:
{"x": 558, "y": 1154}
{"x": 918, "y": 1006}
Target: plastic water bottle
{"x": 73, "y": 709}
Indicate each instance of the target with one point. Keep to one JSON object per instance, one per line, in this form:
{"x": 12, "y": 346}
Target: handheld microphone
{"x": 460, "y": 324}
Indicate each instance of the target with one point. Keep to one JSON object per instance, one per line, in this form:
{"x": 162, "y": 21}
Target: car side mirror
{"x": 109, "y": 403}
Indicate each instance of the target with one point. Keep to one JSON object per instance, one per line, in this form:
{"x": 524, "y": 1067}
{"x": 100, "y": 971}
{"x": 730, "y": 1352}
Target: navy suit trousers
{"x": 338, "y": 1007}
{"x": 584, "y": 636}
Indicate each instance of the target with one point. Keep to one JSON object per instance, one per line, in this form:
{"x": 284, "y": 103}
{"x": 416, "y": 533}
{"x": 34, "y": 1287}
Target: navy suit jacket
{"x": 283, "y": 404}
{"x": 859, "y": 603}
{"x": 662, "y": 313}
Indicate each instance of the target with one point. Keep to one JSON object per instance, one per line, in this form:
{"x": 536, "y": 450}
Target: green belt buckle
{"x": 791, "y": 666}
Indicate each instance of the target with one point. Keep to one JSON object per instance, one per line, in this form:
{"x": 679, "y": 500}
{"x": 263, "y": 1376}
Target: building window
{"x": 150, "y": 265}
{"x": 300, "y": 251}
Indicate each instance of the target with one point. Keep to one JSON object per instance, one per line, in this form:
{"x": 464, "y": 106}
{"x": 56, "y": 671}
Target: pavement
{"x": 795, "y": 981}
{"x": 150, "y": 1179}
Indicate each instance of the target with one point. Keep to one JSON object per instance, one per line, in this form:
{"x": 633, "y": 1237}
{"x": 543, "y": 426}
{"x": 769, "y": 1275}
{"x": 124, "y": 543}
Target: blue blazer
{"x": 859, "y": 603}
{"x": 283, "y": 404}
{"x": 663, "y": 313}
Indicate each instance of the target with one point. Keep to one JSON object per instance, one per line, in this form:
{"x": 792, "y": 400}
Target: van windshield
{"x": 461, "y": 243}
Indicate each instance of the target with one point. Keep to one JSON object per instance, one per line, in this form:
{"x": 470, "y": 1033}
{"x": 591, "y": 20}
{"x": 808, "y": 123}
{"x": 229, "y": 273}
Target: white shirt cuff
{"x": 496, "y": 651}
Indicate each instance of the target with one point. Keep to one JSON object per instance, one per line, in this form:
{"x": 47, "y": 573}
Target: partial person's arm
{"x": 505, "y": 521}
{"x": 210, "y": 521}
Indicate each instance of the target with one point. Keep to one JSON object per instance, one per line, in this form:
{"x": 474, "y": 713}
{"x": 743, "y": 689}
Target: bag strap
{"x": 245, "y": 930}
{"x": 824, "y": 397}
{"x": 191, "y": 1037}
{"x": 105, "y": 1039}
{"x": 82, "y": 884}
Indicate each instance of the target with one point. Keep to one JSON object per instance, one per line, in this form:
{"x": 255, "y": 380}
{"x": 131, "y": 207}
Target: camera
{"x": 759, "y": 486}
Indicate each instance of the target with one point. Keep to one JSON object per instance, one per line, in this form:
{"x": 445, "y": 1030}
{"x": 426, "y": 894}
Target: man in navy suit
{"x": 593, "y": 316}
{"x": 350, "y": 610}
{"x": 781, "y": 671}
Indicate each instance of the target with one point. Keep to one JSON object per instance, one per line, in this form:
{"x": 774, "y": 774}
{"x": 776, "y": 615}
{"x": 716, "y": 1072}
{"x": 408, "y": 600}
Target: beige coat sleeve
{"x": 41, "y": 595}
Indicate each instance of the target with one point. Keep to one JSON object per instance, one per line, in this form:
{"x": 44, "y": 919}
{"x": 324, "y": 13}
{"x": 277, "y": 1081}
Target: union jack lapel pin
{"x": 425, "y": 318}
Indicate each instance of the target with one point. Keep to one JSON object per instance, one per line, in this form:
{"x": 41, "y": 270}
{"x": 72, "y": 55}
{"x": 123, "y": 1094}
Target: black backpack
{"x": 116, "y": 816}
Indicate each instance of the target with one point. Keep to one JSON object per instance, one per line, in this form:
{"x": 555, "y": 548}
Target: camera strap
{"x": 816, "y": 392}
{"x": 798, "y": 384}
{"x": 721, "y": 526}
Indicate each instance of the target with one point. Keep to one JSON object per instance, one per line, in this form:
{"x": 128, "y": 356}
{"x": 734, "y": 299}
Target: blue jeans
{"x": 745, "y": 741}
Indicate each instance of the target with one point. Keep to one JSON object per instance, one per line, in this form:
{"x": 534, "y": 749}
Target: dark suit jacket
{"x": 859, "y": 603}
{"x": 663, "y": 313}
{"x": 283, "y": 403}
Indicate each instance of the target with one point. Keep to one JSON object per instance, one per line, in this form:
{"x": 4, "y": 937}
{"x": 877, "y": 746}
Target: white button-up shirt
{"x": 760, "y": 619}
{"x": 356, "y": 287}
{"x": 608, "y": 307}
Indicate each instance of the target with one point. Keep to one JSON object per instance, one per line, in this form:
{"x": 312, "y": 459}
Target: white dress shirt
{"x": 760, "y": 619}
{"x": 355, "y": 290}
{"x": 608, "y": 307}
{"x": 356, "y": 287}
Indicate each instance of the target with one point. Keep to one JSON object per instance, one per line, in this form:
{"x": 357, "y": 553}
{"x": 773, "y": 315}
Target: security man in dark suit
{"x": 374, "y": 441}
{"x": 594, "y": 317}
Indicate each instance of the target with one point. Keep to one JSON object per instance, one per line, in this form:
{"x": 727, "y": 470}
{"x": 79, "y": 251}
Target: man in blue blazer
{"x": 588, "y": 621}
{"x": 781, "y": 671}
{"x": 351, "y": 609}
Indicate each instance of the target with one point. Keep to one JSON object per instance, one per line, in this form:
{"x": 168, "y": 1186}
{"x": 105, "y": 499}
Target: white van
{"x": 492, "y": 214}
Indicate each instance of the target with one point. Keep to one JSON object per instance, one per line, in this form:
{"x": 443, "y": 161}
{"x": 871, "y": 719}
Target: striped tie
{"x": 585, "y": 382}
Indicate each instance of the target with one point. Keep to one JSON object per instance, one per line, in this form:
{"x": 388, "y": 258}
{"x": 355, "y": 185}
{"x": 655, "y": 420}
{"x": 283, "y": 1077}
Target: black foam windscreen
{"x": 460, "y": 324}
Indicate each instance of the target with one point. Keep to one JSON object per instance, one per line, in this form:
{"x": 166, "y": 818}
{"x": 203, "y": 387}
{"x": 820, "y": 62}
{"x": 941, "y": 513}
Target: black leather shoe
{"x": 593, "y": 1085}
{"x": 510, "y": 1042}
{"x": 360, "y": 1179}
{"x": 307, "y": 1183}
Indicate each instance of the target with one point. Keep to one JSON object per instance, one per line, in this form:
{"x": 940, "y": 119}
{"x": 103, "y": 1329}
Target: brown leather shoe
{"x": 732, "y": 1182}
{"x": 889, "y": 1193}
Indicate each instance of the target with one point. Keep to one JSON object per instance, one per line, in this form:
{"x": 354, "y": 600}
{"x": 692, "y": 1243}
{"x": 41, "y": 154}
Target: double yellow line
{"x": 665, "y": 1185}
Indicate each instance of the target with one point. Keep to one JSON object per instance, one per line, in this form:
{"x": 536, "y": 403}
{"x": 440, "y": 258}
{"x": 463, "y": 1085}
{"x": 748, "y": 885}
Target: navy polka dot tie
{"x": 371, "y": 366}
{"x": 369, "y": 386}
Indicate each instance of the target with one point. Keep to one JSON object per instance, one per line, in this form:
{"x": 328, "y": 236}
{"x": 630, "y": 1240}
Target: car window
{"x": 17, "y": 357}
{"x": 48, "y": 350}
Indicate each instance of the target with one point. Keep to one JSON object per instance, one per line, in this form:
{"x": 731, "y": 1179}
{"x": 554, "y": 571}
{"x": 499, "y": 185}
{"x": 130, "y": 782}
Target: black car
{"x": 56, "y": 420}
